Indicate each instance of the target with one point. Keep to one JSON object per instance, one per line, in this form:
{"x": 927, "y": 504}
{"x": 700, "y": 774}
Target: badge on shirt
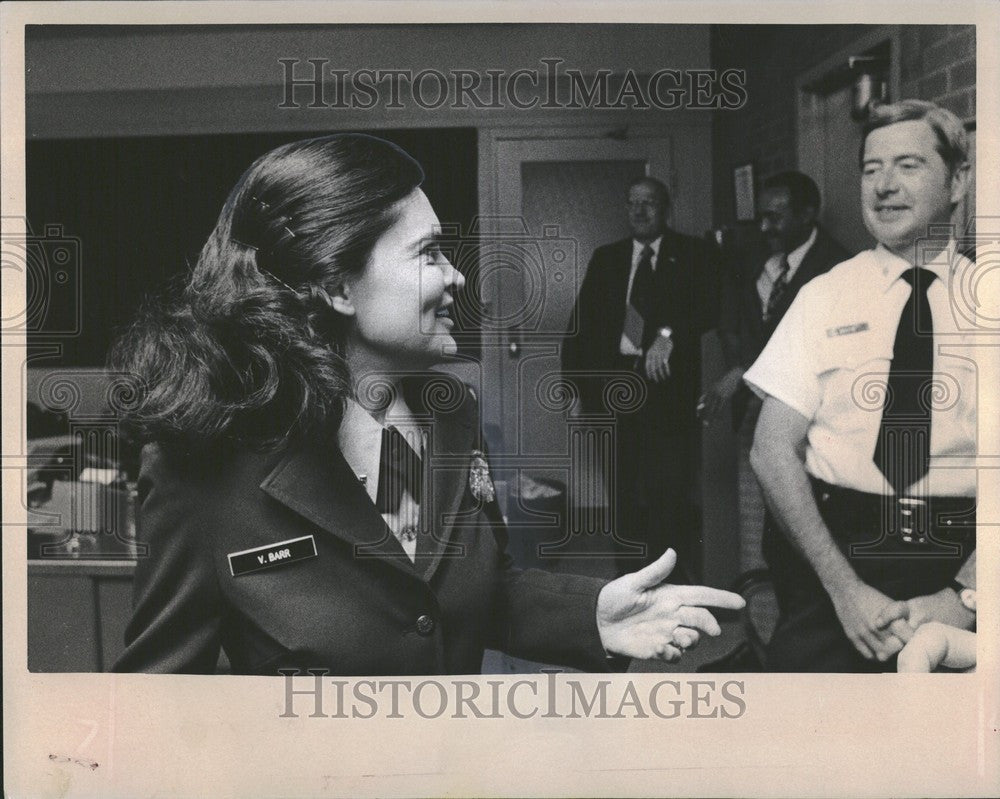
{"x": 846, "y": 330}
{"x": 479, "y": 478}
{"x": 290, "y": 551}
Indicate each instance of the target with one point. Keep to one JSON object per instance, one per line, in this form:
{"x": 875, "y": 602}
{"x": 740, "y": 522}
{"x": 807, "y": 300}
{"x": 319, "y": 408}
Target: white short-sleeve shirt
{"x": 829, "y": 359}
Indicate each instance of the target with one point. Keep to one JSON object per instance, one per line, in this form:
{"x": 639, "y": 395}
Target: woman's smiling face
{"x": 400, "y": 302}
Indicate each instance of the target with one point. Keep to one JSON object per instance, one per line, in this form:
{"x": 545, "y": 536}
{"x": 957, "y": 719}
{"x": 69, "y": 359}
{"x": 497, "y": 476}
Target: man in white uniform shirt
{"x": 866, "y": 442}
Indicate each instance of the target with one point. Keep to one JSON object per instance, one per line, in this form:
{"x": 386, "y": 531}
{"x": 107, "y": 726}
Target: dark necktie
{"x": 777, "y": 290}
{"x": 640, "y": 299}
{"x": 399, "y": 468}
{"x": 902, "y": 450}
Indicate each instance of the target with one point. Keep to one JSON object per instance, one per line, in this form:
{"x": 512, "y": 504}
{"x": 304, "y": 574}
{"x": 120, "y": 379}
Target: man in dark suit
{"x": 753, "y": 302}
{"x": 642, "y": 308}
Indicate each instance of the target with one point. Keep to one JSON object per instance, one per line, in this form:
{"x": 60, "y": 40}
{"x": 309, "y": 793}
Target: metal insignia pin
{"x": 479, "y": 478}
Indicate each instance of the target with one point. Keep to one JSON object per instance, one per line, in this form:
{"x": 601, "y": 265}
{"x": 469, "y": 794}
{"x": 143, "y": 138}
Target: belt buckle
{"x": 913, "y": 520}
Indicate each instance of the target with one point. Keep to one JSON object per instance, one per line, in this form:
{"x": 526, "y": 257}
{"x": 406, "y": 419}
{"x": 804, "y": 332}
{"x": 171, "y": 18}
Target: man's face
{"x": 783, "y": 226}
{"x": 647, "y": 212}
{"x": 906, "y": 185}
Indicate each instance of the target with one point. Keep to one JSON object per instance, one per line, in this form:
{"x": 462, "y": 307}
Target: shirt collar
{"x": 360, "y": 439}
{"x": 796, "y": 256}
{"x": 892, "y": 266}
{"x": 637, "y": 247}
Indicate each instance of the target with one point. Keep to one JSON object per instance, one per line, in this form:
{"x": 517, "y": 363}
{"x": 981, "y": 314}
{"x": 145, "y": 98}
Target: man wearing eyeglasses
{"x": 642, "y": 308}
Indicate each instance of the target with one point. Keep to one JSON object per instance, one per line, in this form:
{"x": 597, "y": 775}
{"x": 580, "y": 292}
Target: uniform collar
{"x": 315, "y": 480}
{"x": 360, "y": 440}
{"x": 891, "y": 266}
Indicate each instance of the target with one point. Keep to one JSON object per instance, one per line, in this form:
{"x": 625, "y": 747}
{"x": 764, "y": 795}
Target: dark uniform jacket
{"x": 685, "y": 280}
{"x": 360, "y": 606}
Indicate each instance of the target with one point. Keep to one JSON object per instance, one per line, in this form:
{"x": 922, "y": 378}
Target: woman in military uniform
{"x": 311, "y": 495}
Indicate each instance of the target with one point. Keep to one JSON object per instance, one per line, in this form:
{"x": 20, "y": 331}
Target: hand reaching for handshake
{"x": 640, "y": 615}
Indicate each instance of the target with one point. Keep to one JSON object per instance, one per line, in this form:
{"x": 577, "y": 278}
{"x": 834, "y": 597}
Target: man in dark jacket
{"x": 753, "y": 302}
{"x": 642, "y": 308}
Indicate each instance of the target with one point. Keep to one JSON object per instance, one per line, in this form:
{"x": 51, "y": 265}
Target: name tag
{"x": 846, "y": 330}
{"x": 252, "y": 560}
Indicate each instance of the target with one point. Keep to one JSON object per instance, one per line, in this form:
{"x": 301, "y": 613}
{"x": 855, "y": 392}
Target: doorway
{"x": 829, "y": 136}
{"x": 553, "y": 197}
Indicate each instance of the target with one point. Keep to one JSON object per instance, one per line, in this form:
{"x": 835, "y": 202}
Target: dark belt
{"x": 913, "y": 523}
{"x": 903, "y": 546}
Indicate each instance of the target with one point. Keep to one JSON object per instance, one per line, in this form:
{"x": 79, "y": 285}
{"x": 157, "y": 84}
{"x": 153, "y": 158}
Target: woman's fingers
{"x": 698, "y": 619}
{"x": 656, "y": 572}
{"x": 668, "y": 652}
{"x": 685, "y": 638}
{"x": 704, "y": 596}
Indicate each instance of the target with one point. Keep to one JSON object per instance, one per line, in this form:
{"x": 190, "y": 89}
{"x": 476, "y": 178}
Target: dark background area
{"x": 937, "y": 63}
{"x": 143, "y": 207}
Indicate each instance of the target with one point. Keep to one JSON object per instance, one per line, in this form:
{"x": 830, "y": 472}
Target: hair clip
{"x": 243, "y": 243}
{"x": 253, "y": 221}
{"x": 276, "y": 279}
{"x": 266, "y": 207}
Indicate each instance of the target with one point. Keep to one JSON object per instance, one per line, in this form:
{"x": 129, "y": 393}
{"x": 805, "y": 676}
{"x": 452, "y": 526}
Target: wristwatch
{"x": 966, "y": 595}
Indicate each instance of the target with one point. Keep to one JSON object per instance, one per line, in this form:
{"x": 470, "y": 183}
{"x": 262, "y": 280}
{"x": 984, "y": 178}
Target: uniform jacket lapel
{"x": 316, "y": 482}
{"x": 453, "y": 437}
{"x": 615, "y": 293}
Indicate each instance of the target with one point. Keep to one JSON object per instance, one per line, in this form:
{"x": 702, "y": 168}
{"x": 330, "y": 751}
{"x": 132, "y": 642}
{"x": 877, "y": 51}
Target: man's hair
{"x": 952, "y": 142}
{"x": 658, "y": 185}
{"x": 802, "y": 190}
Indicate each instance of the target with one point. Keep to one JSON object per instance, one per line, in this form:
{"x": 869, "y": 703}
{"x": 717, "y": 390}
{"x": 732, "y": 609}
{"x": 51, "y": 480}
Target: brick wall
{"x": 937, "y": 62}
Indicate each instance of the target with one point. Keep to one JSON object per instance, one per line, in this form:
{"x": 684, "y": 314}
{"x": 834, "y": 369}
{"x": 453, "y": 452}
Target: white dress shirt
{"x": 772, "y": 269}
{"x": 626, "y": 347}
{"x": 360, "y": 439}
{"x": 829, "y": 360}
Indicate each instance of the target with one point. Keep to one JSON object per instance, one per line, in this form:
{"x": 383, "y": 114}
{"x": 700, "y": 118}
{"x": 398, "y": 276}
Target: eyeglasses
{"x": 643, "y": 205}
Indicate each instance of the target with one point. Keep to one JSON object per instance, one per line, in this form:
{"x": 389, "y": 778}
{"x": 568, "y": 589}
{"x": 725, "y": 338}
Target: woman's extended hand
{"x": 640, "y": 616}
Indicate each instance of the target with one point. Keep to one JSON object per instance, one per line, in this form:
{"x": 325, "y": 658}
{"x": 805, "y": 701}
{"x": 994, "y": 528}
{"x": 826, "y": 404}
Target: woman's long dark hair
{"x": 248, "y": 349}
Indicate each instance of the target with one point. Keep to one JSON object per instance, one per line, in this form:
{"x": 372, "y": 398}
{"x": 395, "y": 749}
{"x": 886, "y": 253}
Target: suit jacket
{"x": 360, "y": 606}
{"x": 742, "y": 330}
{"x": 685, "y": 284}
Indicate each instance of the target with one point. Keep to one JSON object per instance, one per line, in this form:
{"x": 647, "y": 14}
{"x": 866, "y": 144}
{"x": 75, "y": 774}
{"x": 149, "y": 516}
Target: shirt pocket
{"x": 853, "y": 371}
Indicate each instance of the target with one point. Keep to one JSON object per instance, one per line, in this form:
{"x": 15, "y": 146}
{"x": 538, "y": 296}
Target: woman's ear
{"x": 341, "y": 300}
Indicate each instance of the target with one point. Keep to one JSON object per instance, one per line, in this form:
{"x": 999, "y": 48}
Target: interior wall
{"x": 113, "y": 83}
{"x": 98, "y": 81}
{"x": 937, "y": 63}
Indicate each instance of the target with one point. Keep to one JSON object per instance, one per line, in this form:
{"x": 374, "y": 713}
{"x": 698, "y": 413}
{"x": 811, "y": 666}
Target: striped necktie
{"x": 778, "y": 289}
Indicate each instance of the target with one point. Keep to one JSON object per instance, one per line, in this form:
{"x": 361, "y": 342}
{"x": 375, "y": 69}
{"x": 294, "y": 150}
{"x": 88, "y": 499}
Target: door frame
{"x": 810, "y": 143}
{"x": 498, "y": 181}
